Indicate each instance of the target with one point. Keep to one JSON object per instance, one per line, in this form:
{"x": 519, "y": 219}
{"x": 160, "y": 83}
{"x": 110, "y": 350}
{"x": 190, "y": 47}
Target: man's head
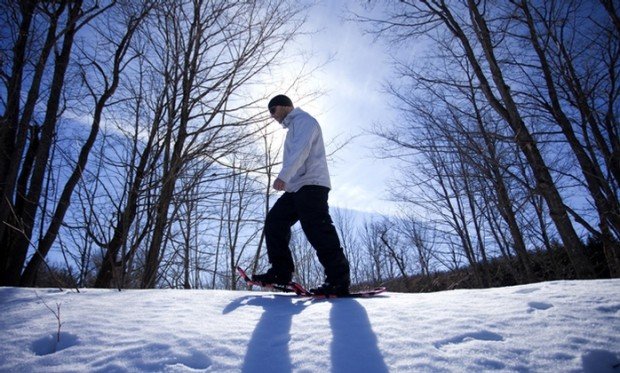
{"x": 279, "y": 107}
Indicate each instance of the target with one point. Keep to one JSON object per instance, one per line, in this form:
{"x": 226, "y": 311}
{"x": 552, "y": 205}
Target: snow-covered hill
{"x": 547, "y": 327}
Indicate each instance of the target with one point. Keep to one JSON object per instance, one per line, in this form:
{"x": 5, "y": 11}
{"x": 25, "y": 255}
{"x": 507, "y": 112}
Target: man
{"x": 304, "y": 178}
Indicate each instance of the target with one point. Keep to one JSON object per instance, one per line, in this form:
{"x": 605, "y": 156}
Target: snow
{"x": 559, "y": 326}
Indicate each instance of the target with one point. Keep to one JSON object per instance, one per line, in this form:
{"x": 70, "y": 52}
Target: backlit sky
{"x": 352, "y": 103}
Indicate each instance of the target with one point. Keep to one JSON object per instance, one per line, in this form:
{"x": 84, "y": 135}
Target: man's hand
{"x": 279, "y": 185}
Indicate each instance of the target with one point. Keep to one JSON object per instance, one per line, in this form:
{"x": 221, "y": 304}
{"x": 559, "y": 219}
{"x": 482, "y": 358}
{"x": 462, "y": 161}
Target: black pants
{"x": 308, "y": 206}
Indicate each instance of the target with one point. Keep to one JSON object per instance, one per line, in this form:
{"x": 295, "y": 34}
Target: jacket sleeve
{"x": 299, "y": 144}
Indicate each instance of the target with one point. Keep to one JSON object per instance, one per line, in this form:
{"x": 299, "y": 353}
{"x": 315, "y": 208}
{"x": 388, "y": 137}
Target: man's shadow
{"x": 354, "y": 345}
{"x": 268, "y": 348}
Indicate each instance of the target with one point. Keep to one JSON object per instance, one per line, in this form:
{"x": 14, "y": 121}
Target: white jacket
{"x": 304, "y": 161}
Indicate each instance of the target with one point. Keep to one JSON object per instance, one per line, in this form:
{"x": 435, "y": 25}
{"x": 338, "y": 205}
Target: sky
{"x": 352, "y": 103}
{"x": 561, "y": 326}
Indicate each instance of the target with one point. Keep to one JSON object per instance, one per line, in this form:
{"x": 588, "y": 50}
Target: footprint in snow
{"x": 527, "y": 291}
{"x": 194, "y": 360}
{"x": 483, "y": 335}
{"x": 538, "y": 306}
{"x": 614, "y": 308}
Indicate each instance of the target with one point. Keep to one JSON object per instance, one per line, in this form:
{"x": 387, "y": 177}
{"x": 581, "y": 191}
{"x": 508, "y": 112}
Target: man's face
{"x": 278, "y": 112}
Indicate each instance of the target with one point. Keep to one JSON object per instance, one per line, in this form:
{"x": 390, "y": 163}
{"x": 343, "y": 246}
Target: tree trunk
{"x": 607, "y": 208}
{"x": 20, "y": 241}
{"x": 508, "y": 110}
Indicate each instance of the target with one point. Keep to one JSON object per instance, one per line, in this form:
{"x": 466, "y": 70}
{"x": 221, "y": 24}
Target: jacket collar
{"x": 289, "y": 118}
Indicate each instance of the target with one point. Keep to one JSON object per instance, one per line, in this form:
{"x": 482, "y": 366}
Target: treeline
{"x": 550, "y": 265}
{"x": 375, "y": 264}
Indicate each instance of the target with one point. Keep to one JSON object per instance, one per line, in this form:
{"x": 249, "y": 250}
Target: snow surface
{"x": 560, "y": 326}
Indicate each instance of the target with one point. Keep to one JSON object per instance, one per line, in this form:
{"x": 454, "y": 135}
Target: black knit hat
{"x": 280, "y": 100}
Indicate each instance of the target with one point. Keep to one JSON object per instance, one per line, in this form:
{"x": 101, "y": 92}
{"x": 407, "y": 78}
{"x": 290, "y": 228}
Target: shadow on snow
{"x": 353, "y": 347}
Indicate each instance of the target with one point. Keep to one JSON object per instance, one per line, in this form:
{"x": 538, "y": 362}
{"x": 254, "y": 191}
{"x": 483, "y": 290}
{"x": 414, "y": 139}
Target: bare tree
{"x": 111, "y": 81}
{"x": 593, "y": 92}
{"x": 395, "y": 251}
{"x": 419, "y": 237}
{"x": 370, "y": 241}
{"x": 20, "y": 195}
{"x": 187, "y": 96}
{"x": 271, "y": 153}
{"x": 345, "y": 223}
{"x": 242, "y": 223}
{"x": 478, "y": 37}
{"x": 213, "y": 50}
{"x": 308, "y": 270}
{"x": 502, "y": 100}
{"x": 177, "y": 91}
